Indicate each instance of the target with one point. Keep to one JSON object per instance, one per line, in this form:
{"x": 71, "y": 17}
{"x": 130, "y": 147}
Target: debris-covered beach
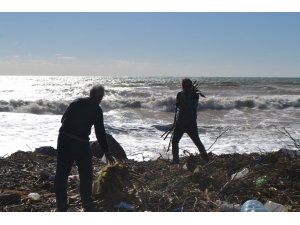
{"x": 223, "y": 184}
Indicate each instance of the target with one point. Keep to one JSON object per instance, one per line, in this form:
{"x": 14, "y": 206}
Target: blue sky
{"x": 149, "y": 44}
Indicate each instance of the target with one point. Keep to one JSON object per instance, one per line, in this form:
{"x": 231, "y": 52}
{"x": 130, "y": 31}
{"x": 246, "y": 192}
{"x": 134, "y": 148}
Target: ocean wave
{"x": 247, "y": 102}
{"x": 166, "y": 104}
{"x": 34, "y": 107}
{"x": 229, "y": 103}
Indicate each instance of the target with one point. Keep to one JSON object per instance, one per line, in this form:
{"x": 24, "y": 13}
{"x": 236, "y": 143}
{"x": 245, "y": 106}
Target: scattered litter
{"x": 34, "y": 196}
{"x": 181, "y": 209}
{"x": 74, "y": 178}
{"x": 124, "y": 205}
{"x": 157, "y": 185}
{"x": 261, "y": 181}
{"x": 253, "y": 206}
{"x": 274, "y": 207}
{"x": 229, "y": 207}
{"x": 240, "y": 174}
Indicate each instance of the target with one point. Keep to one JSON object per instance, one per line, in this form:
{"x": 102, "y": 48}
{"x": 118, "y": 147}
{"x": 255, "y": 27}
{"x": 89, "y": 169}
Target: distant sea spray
{"x": 166, "y": 104}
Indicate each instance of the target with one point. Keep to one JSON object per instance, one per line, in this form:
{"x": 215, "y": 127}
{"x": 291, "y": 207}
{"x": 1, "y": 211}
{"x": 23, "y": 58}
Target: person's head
{"x": 186, "y": 84}
{"x": 97, "y": 93}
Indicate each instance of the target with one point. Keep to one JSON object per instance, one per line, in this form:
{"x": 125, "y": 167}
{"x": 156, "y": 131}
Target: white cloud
{"x": 63, "y": 57}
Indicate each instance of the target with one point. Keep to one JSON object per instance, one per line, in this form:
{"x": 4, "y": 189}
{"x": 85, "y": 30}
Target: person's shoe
{"x": 175, "y": 161}
{"x": 71, "y": 210}
{"x": 90, "y": 208}
{"x": 63, "y": 208}
{"x": 205, "y": 157}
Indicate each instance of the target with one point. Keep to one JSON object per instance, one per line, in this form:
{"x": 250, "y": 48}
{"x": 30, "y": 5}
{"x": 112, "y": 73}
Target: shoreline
{"x": 159, "y": 186}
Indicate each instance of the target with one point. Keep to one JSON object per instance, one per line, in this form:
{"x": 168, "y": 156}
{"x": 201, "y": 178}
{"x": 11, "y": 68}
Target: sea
{"x": 238, "y": 115}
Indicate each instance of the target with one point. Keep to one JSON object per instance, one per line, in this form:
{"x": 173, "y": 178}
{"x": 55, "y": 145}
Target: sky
{"x": 150, "y": 44}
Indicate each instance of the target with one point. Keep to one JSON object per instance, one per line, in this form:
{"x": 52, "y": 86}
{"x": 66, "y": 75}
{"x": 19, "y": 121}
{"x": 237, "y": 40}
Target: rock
{"x": 43, "y": 175}
{"x": 7, "y": 198}
{"x": 115, "y": 148}
{"x": 34, "y": 196}
{"x": 290, "y": 153}
{"x": 185, "y": 167}
{"x": 46, "y": 150}
{"x": 20, "y": 154}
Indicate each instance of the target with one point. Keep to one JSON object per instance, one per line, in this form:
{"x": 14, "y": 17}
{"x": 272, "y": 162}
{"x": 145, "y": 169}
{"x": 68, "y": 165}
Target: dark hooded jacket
{"x": 187, "y": 105}
{"x": 79, "y": 118}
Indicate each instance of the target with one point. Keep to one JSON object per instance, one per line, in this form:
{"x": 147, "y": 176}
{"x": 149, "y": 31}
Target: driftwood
{"x": 159, "y": 185}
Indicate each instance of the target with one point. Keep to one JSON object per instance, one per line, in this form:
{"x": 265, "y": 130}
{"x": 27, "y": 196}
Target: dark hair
{"x": 97, "y": 91}
{"x": 187, "y": 82}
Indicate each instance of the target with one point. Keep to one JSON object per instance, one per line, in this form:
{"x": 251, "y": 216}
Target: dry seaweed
{"x": 159, "y": 185}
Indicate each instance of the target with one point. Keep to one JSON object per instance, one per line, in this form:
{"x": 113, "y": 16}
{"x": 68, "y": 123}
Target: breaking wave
{"x": 35, "y": 107}
{"x": 166, "y": 104}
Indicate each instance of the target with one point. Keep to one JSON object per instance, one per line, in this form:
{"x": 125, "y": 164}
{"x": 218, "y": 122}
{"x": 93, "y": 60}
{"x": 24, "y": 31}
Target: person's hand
{"x": 109, "y": 158}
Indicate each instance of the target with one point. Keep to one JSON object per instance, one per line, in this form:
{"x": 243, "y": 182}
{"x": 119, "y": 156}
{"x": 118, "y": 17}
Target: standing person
{"x": 73, "y": 145}
{"x": 186, "y": 119}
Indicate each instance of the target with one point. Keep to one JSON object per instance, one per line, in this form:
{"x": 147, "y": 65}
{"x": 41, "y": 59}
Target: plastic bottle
{"x": 34, "y": 196}
{"x": 240, "y": 174}
{"x": 261, "y": 181}
{"x": 180, "y": 209}
{"x": 125, "y": 205}
{"x": 253, "y": 206}
{"x": 274, "y": 207}
{"x": 74, "y": 178}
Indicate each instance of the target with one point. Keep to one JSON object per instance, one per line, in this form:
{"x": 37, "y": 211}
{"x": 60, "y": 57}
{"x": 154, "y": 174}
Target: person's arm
{"x": 101, "y": 136}
{"x": 100, "y": 130}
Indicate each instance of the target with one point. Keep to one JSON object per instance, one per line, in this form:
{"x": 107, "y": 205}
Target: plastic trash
{"x": 229, "y": 207}
{"x": 275, "y": 207}
{"x": 179, "y": 210}
{"x": 272, "y": 189}
{"x": 34, "y": 196}
{"x": 74, "y": 178}
{"x": 261, "y": 181}
{"x": 125, "y": 205}
{"x": 253, "y": 206}
{"x": 240, "y": 174}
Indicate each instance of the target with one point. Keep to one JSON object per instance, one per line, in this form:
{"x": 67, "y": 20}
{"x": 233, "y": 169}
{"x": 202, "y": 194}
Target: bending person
{"x": 73, "y": 146}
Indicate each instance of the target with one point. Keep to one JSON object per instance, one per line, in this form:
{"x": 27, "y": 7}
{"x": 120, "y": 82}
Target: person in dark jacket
{"x": 73, "y": 146}
{"x": 186, "y": 119}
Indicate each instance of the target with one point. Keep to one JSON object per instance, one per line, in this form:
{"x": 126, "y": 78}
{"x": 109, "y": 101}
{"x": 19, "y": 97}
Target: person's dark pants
{"x": 70, "y": 151}
{"x": 192, "y": 130}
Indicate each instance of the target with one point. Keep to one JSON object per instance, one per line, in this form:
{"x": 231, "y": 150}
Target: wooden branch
{"x": 220, "y": 135}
